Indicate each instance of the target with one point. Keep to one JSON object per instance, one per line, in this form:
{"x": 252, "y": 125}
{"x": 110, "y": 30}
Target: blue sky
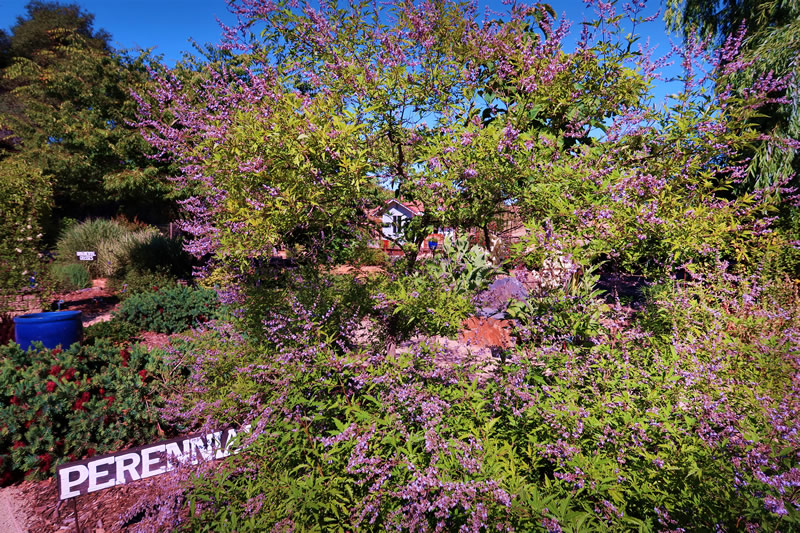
{"x": 168, "y": 25}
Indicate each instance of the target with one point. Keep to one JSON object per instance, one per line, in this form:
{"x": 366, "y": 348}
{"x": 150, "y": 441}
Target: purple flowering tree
{"x": 674, "y": 414}
{"x": 454, "y": 110}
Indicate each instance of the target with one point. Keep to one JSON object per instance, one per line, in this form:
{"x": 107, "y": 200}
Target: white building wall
{"x": 388, "y": 219}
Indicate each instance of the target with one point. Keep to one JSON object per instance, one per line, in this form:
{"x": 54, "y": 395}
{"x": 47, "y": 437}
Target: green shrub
{"x": 372, "y": 257}
{"x": 566, "y": 314}
{"x": 88, "y": 237}
{"x": 123, "y": 251}
{"x": 70, "y": 277}
{"x": 25, "y": 202}
{"x": 342, "y": 298}
{"x": 160, "y": 254}
{"x": 626, "y": 434}
{"x": 169, "y": 310}
{"x": 136, "y": 281}
{"x": 116, "y": 331}
{"x": 59, "y": 406}
{"x": 425, "y": 304}
{"x": 468, "y": 266}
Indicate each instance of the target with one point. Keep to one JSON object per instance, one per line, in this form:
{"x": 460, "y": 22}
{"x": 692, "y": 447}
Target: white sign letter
{"x": 148, "y": 461}
{"x": 94, "y": 475}
{"x": 67, "y": 483}
{"x": 133, "y": 460}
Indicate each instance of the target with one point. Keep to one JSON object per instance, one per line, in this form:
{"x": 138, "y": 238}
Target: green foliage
{"x": 136, "y": 281}
{"x": 435, "y": 298}
{"x": 342, "y": 299}
{"x": 25, "y": 202}
{"x": 469, "y": 267}
{"x": 169, "y": 309}
{"x": 568, "y": 314}
{"x": 70, "y": 277}
{"x": 635, "y": 432}
{"x": 427, "y": 302}
{"x": 771, "y": 45}
{"x": 682, "y": 414}
{"x": 158, "y": 254}
{"x": 372, "y": 257}
{"x": 124, "y": 254}
{"x": 114, "y": 331}
{"x": 114, "y": 254}
{"x": 781, "y": 256}
{"x": 657, "y": 200}
{"x": 36, "y": 32}
{"x": 58, "y": 406}
{"x": 69, "y": 104}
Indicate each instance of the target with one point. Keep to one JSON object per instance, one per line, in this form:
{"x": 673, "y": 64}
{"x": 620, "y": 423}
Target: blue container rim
{"x": 47, "y": 316}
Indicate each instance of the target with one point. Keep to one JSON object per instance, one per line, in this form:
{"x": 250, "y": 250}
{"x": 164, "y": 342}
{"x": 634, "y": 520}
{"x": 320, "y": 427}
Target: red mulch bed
{"x": 99, "y": 512}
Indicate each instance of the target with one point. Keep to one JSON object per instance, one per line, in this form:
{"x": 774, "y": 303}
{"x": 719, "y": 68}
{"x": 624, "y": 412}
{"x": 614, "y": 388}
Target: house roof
{"x": 415, "y": 208}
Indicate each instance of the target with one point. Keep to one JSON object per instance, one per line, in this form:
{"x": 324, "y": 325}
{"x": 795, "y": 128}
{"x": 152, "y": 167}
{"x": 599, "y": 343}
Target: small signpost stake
{"x": 75, "y": 511}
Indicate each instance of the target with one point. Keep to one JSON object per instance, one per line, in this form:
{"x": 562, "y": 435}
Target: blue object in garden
{"x": 432, "y": 245}
{"x": 50, "y": 328}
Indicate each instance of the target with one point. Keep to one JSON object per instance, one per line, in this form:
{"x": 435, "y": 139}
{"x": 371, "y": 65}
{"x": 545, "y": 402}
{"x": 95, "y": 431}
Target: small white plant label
{"x": 86, "y": 256}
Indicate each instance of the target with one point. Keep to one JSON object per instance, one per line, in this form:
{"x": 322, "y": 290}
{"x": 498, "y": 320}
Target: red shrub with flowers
{"x": 58, "y": 406}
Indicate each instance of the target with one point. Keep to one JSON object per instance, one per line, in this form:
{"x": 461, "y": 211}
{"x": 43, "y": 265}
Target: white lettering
{"x": 95, "y": 475}
{"x": 133, "y": 460}
{"x": 175, "y": 456}
{"x": 66, "y": 483}
{"x": 215, "y": 439}
{"x": 148, "y": 461}
{"x": 99, "y": 474}
{"x": 188, "y": 456}
{"x": 230, "y": 437}
{"x": 197, "y": 445}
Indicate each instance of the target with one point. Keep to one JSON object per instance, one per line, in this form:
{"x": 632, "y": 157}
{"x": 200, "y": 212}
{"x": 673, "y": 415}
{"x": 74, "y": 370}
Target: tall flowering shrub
{"x": 25, "y": 202}
{"x": 684, "y": 417}
{"x": 676, "y": 414}
{"x": 283, "y": 143}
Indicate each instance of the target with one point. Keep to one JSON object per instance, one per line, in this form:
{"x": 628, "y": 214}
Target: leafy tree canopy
{"x": 34, "y": 32}
{"x": 66, "y": 108}
{"x": 771, "y": 45}
{"x": 468, "y": 118}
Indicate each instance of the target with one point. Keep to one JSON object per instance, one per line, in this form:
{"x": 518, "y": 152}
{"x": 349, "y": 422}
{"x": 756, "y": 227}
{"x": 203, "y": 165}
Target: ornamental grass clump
{"x": 89, "y": 236}
{"x": 70, "y": 277}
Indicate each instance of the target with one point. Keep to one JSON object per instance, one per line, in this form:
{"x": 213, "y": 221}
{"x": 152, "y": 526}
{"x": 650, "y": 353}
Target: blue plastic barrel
{"x": 51, "y": 329}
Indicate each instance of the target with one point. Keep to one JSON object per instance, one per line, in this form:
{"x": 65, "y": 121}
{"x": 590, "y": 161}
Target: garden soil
{"x": 33, "y": 507}
{"x": 97, "y": 302}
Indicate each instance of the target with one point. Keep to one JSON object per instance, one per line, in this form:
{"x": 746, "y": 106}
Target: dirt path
{"x": 96, "y": 302}
{"x": 14, "y": 511}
